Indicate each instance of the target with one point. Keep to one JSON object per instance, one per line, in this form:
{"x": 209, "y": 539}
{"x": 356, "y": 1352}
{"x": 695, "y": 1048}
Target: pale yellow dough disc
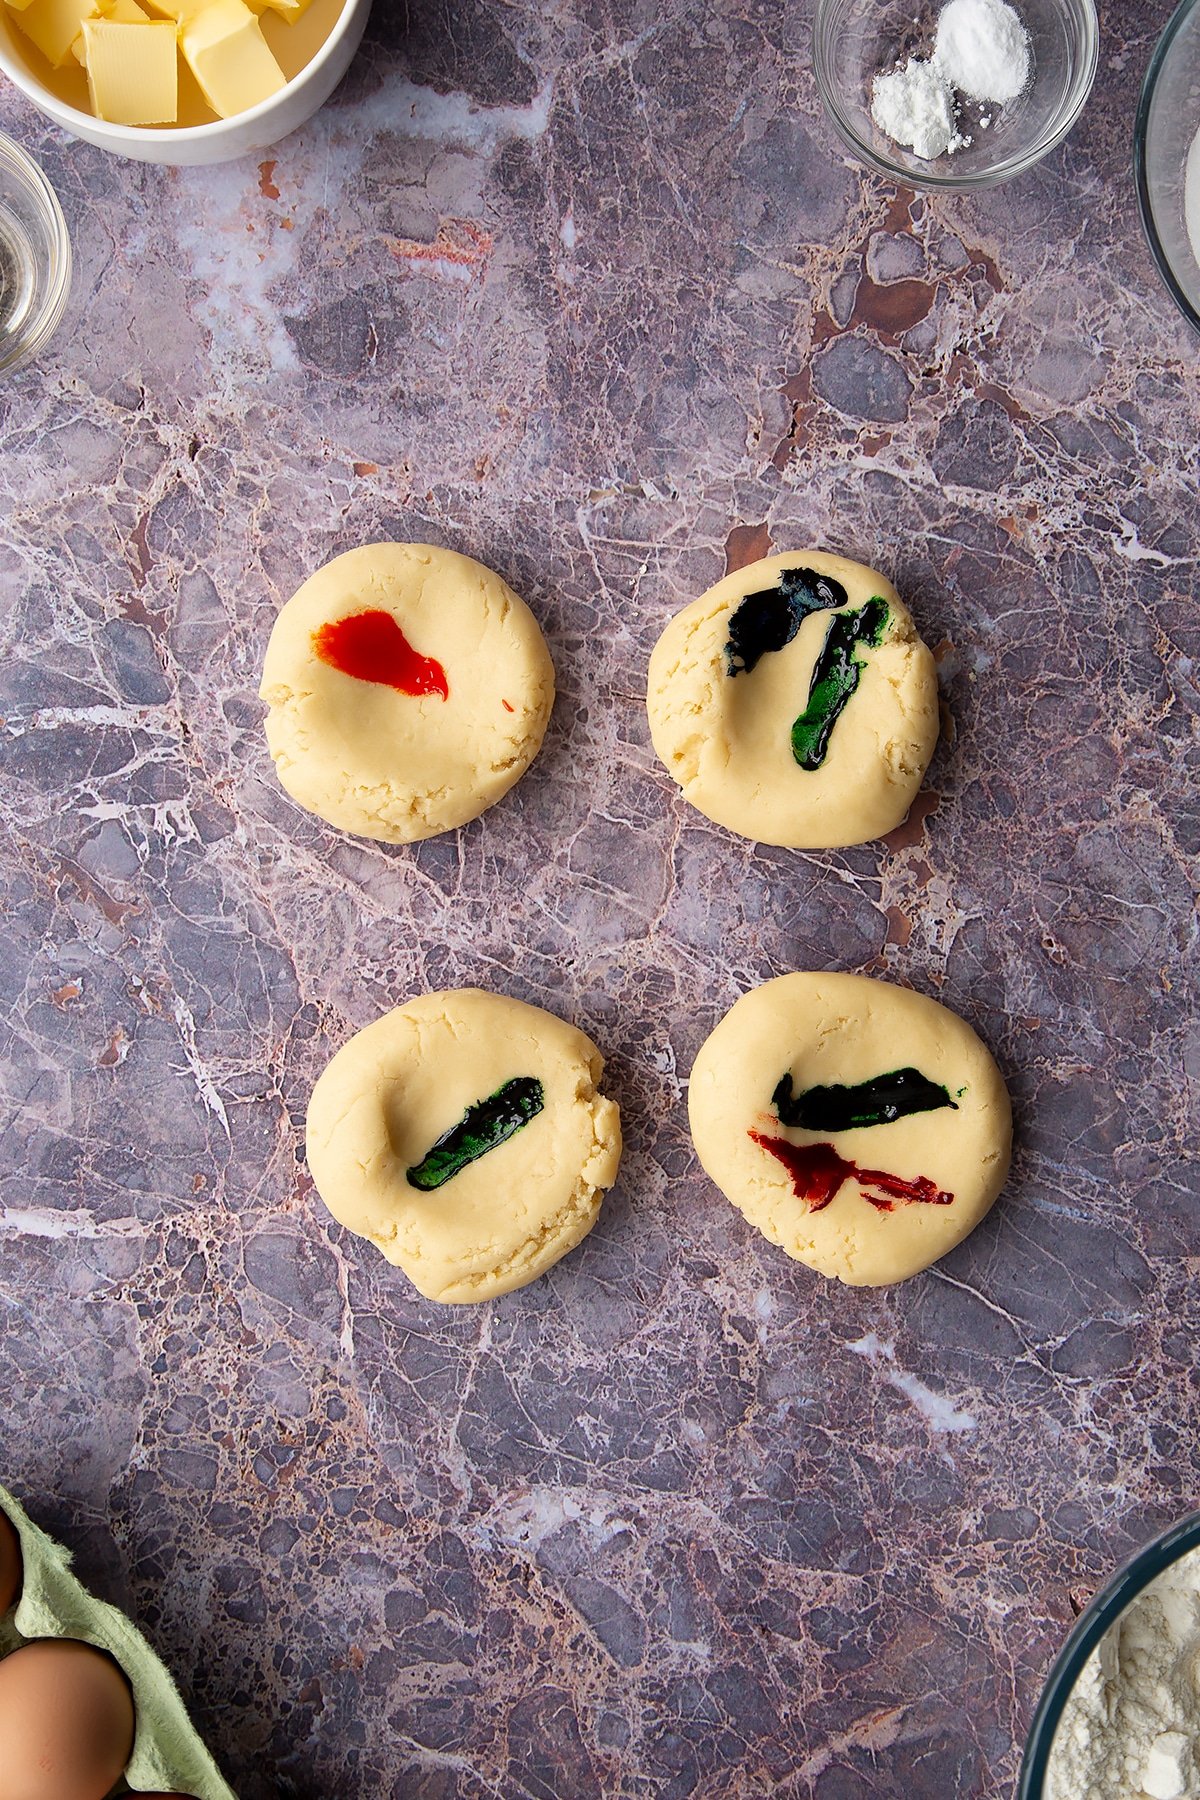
{"x": 844, "y": 1030}
{"x": 398, "y": 1086}
{"x": 725, "y": 736}
{"x": 398, "y": 766}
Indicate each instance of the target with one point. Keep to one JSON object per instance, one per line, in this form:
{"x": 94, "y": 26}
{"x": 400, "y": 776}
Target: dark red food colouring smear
{"x": 371, "y": 647}
{"x": 817, "y": 1172}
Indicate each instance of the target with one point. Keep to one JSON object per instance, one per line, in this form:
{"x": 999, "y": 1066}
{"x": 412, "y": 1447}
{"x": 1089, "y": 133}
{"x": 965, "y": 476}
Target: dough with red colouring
{"x": 851, "y": 1033}
{"x": 723, "y": 729}
{"x": 394, "y": 765}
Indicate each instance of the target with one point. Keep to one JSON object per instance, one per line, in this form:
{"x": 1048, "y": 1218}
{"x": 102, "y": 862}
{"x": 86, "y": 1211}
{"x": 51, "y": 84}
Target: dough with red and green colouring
{"x": 465, "y": 1135}
{"x": 408, "y": 689}
{"x": 795, "y": 704}
{"x": 862, "y": 1127}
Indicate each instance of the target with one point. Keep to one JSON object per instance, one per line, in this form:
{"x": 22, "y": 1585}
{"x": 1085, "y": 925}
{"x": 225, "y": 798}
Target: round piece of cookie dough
{"x": 794, "y": 702}
{"x": 863, "y": 1128}
{"x": 464, "y": 1135}
{"x": 408, "y": 688}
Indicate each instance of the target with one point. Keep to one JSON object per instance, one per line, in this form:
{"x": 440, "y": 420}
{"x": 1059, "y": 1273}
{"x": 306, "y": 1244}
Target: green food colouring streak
{"x": 482, "y": 1127}
{"x": 835, "y": 678}
{"x": 879, "y": 1101}
{"x": 770, "y": 618}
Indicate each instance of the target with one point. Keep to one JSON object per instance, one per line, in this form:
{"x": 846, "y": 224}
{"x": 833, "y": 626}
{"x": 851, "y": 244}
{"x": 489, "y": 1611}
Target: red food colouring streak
{"x": 370, "y": 646}
{"x": 817, "y": 1172}
{"x": 507, "y": 707}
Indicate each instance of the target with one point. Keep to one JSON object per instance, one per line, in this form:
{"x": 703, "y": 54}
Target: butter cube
{"x": 128, "y": 12}
{"x": 229, "y": 57}
{"x": 290, "y": 10}
{"x": 18, "y": 5}
{"x": 178, "y": 10}
{"x": 132, "y": 71}
{"x": 53, "y": 25}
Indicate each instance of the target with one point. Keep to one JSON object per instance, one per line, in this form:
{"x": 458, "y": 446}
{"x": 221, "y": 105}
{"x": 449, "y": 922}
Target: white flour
{"x": 981, "y": 52}
{"x": 1191, "y": 196}
{"x": 1131, "y": 1728}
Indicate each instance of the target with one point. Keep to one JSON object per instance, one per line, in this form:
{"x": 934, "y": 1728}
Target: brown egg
{"x": 10, "y": 1564}
{"x": 66, "y": 1722}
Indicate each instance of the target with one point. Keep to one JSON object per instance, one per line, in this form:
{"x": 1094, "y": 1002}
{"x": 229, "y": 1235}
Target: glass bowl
{"x": 1166, "y": 159}
{"x": 1096, "y": 1618}
{"x": 855, "y": 40}
{"x": 35, "y": 258}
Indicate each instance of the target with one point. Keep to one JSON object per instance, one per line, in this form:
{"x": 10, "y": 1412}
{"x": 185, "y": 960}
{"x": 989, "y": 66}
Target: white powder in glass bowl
{"x": 1131, "y": 1727}
{"x": 982, "y": 49}
{"x": 916, "y": 108}
{"x": 981, "y": 52}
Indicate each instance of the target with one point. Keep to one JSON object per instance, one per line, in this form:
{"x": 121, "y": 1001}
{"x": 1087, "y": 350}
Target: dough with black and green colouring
{"x": 862, "y": 1127}
{"x": 405, "y": 762}
{"x": 794, "y": 702}
{"x": 465, "y": 1135}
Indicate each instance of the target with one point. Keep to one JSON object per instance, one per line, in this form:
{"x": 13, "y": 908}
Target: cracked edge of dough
{"x": 541, "y": 1249}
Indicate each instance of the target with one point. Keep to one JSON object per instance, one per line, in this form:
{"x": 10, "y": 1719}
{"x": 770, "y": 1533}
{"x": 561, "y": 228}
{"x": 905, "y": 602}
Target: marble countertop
{"x": 591, "y": 293}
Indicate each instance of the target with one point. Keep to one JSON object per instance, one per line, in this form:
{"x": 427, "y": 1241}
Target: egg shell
{"x": 168, "y": 1755}
{"x": 66, "y": 1721}
{"x": 11, "y": 1567}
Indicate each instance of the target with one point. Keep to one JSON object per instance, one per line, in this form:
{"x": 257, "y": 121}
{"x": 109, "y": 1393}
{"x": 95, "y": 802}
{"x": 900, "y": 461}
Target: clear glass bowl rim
{"x": 1141, "y": 180}
{"x": 54, "y": 304}
{"x": 1081, "y": 87}
{"x": 1141, "y": 1569}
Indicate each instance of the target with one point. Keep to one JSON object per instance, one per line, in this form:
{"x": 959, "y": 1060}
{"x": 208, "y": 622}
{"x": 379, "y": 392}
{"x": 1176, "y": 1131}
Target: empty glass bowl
{"x": 855, "y": 40}
{"x": 35, "y": 258}
{"x": 1166, "y": 158}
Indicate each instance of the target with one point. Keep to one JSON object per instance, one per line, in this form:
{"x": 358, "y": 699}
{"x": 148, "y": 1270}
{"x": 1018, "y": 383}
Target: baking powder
{"x": 981, "y": 52}
{"x": 982, "y": 49}
{"x": 913, "y": 106}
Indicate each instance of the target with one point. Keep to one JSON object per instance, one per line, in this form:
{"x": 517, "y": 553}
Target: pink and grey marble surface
{"x": 590, "y": 292}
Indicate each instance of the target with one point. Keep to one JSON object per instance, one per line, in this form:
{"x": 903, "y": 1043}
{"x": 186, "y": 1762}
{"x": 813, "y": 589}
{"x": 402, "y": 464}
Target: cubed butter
{"x": 290, "y": 10}
{"x": 18, "y": 5}
{"x": 132, "y": 71}
{"x": 179, "y": 10}
{"x": 54, "y": 25}
{"x": 128, "y": 12}
{"x": 229, "y": 57}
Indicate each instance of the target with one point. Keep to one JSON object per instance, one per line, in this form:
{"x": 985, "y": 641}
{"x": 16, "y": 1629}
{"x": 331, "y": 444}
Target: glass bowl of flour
{"x": 954, "y": 93}
{"x": 1166, "y": 158}
{"x": 1119, "y": 1718}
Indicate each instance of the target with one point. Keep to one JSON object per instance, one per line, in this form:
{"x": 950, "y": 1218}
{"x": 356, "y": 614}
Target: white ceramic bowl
{"x": 222, "y": 139}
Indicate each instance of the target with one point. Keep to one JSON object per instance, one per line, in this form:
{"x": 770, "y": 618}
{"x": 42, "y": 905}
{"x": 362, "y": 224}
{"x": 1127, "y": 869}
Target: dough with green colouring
{"x": 870, "y": 1202}
{"x": 395, "y": 765}
{"x": 794, "y": 702}
{"x": 465, "y": 1136}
